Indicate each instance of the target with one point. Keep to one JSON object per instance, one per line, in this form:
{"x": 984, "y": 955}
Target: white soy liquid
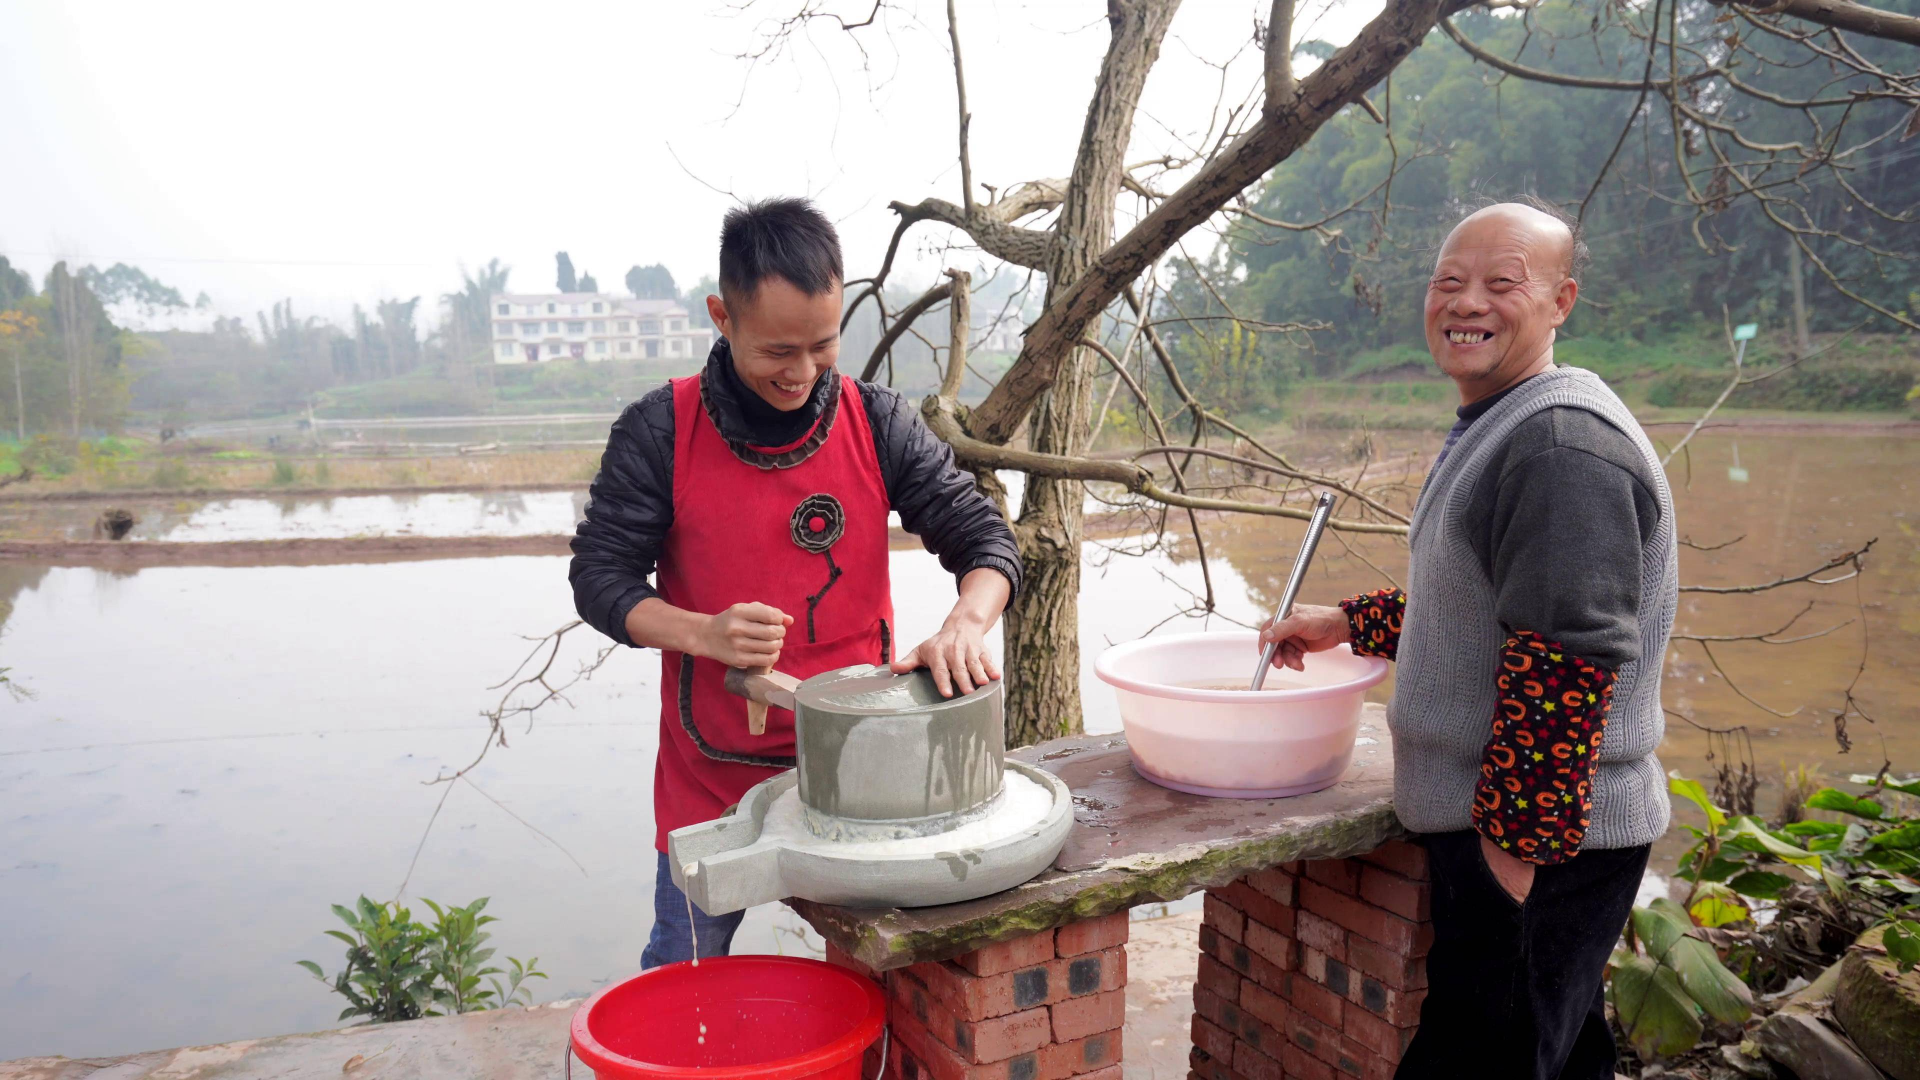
{"x": 1023, "y": 803}
{"x": 694, "y": 933}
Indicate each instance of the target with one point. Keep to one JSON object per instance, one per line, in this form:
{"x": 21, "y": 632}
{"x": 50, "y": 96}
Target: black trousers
{"x": 1514, "y": 991}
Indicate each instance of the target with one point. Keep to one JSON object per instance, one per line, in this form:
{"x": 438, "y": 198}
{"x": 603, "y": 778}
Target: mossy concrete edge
{"x": 880, "y": 941}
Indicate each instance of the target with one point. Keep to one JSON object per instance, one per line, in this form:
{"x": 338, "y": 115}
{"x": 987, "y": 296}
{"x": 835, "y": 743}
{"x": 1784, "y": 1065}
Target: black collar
{"x": 754, "y": 430}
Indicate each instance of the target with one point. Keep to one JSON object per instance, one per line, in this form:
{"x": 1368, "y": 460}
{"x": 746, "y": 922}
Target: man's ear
{"x": 717, "y": 311}
{"x": 1563, "y": 299}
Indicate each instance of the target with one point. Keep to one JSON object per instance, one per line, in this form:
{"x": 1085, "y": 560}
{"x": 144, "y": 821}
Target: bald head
{"x": 1502, "y": 285}
{"x": 1552, "y": 239}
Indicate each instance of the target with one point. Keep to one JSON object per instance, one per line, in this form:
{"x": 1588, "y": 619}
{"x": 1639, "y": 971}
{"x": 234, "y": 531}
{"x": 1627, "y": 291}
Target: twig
{"x": 1853, "y": 558}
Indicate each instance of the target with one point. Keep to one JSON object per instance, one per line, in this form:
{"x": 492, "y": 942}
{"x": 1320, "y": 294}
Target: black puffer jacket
{"x": 630, "y": 503}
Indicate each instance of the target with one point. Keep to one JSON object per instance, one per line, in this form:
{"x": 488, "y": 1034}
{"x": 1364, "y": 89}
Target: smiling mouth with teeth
{"x": 1469, "y": 337}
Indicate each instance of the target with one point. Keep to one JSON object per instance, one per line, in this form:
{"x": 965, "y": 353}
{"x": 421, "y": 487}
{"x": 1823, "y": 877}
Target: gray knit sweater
{"x": 1450, "y": 646}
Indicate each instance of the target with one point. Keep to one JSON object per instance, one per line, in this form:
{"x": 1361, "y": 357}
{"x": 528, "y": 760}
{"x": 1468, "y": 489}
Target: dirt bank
{"x": 109, "y": 554}
{"x": 18, "y": 495}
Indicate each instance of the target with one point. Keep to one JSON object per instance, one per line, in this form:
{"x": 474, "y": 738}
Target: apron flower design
{"x": 816, "y": 525}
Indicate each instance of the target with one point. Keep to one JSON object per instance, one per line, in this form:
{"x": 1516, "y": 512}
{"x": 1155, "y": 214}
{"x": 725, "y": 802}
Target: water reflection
{"x": 1805, "y": 499}
{"x": 534, "y": 513}
{"x": 216, "y": 754}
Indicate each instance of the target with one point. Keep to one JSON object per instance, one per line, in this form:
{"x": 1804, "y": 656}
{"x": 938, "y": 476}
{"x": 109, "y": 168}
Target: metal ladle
{"x": 1322, "y": 510}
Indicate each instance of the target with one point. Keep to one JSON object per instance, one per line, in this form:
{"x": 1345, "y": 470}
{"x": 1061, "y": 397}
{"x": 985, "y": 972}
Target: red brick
{"x": 1214, "y": 1040}
{"x": 1358, "y": 916}
{"x": 1373, "y": 960}
{"x": 973, "y": 998}
{"x": 839, "y": 958}
{"x": 1212, "y": 1006}
{"x": 1090, "y": 935}
{"x": 1303, "y": 1066}
{"x": 1317, "y": 1001}
{"x": 1079, "y": 1017}
{"x": 1404, "y": 897}
{"x": 1004, "y": 1036}
{"x": 1276, "y": 947}
{"x": 1309, "y": 1034}
{"x": 1255, "y": 1065}
{"x": 1376, "y": 1034}
{"x": 1208, "y": 1067}
{"x": 1340, "y": 874}
{"x": 1111, "y": 1072}
{"x": 1061, "y": 1060}
{"x": 1407, "y": 860}
{"x": 979, "y": 1041}
{"x": 1219, "y": 978}
{"x": 1265, "y": 1038}
{"x": 966, "y": 995}
{"x": 1223, "y": 916}
{"x": 1319, "y": 933}
{"x": 1258, "y": 905}
{"x": 1242, "y": 959}
{"x": 1008, "y": 955}
{"x": 1353, "y": 1058}
{"x": 1274, "y": 884}
{"x": 1266, "y": 1006}
{"x": 941, "y": 1063}
{"x": 1401, "y": 1008}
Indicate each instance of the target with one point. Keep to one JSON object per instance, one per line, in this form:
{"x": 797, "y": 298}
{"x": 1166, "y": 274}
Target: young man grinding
{"x": 757, "y": 493}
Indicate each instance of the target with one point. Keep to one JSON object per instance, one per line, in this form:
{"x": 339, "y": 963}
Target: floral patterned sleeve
{"x": 1536, "y": 781}
{"x": 1375, "y": 621}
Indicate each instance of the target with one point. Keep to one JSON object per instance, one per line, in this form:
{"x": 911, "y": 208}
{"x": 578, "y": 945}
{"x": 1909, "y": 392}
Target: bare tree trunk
{"x": 1042, "y": 626}
{"x": 1800, "y": 343}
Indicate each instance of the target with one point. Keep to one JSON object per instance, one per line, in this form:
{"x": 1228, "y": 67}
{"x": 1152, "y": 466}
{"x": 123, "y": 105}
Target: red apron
{"x": 801, "y": 528}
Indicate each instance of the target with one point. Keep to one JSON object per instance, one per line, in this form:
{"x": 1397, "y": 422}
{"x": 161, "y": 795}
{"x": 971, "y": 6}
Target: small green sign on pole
{"x": 1746, "y": 331}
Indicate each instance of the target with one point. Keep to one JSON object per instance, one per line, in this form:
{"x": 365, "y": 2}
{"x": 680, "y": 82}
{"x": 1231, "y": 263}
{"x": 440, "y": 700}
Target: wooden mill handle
{"x": 761, "y": 687}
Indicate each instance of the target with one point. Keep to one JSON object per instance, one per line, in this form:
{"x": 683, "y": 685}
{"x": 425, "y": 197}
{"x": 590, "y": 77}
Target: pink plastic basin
{"x": 1292, "y": 737}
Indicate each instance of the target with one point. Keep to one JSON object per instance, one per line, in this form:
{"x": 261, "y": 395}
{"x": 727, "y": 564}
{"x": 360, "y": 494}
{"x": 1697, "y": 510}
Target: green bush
{"x": 284, "y": 473}
{"x": 49, "y": 456}
{"x": 1830, "y": 390}
{"x": 399, "y": 969}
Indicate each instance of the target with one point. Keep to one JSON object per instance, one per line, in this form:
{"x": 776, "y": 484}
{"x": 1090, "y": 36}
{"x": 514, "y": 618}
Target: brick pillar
{"x": 1313, "y": 970}
{"x": 1047, "y": 1006}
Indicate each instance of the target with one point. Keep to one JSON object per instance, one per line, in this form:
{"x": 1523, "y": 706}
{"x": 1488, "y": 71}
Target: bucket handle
{"x": 886, "y": 1032}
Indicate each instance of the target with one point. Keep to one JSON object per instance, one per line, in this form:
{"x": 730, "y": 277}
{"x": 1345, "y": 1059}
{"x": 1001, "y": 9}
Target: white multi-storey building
{"x": 593, "y": 326}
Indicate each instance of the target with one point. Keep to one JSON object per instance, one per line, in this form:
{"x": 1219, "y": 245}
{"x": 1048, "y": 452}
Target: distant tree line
{"x": 1456, "y": 130}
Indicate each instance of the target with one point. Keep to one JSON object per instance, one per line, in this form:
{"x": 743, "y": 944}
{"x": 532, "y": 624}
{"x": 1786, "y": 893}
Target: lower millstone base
{"x": 1047, "y": 1006}
{"x": 1313, "y": 970}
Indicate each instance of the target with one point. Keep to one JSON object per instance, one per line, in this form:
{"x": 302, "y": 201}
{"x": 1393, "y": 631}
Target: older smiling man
{"x": 1540, "y": 593}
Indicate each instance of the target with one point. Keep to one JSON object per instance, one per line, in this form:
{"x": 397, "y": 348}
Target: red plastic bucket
{"x": 765, "y": 1017}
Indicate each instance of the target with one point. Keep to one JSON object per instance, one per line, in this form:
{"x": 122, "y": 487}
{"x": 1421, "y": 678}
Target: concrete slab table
{"x": 1312, "y": 942}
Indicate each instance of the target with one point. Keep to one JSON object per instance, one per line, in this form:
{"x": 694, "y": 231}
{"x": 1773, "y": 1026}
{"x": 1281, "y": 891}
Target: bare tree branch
{"x": 901, "y": 324}
{"x": 1279, "y": 68}
{"x": 1849, "y": 558}
{"x": 1840, "y": 15}
{"x": 966, "y": 118}
{"x": 1341, "y": 80}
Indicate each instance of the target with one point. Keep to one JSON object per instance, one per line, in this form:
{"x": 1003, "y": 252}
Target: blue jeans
{"x": 672, "y": 939}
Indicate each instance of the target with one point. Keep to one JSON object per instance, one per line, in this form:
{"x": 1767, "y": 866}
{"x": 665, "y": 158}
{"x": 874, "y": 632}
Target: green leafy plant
{"x": 387, "y": 976}
{"x": 284, "y": 473}
{"x": 399, "y": 969}
{"x": 1664, "y": 981}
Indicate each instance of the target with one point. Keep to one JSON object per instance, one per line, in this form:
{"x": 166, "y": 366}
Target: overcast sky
{"x": 343, "y": 152}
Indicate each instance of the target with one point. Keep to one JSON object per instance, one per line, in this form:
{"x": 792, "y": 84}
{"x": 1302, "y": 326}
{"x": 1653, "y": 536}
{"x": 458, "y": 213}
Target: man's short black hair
{"x": 784, "y": 238}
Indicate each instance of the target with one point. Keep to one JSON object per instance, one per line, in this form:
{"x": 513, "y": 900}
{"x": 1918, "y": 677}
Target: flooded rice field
{"x": 210, "y": 756}
{"x": 190, "y": 520}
